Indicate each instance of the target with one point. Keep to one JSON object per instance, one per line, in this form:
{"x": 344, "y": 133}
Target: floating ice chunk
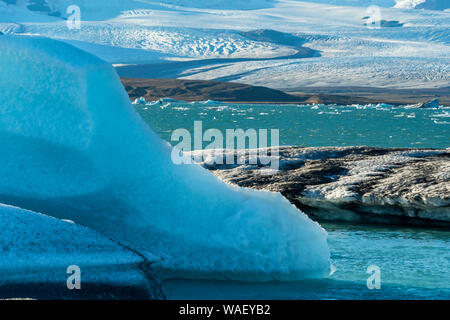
{"x": 210, "y": 102}
{"x": 72, "y": 146}
{"x": 181, "y": 108}
{"x": 162, "y": 100}
{"x": 446, "y": 114}
{"x": 39, "y": 249}
{"x": 433, "y": 104}
{"x": 441, "y": 122}
{"x": 140, "y": 100}
{"x": 383, "y": 105}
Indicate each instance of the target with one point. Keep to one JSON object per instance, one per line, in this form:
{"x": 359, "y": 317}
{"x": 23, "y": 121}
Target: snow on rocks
{"x": 359, "y": 184}
{"x": 433, "y": 104}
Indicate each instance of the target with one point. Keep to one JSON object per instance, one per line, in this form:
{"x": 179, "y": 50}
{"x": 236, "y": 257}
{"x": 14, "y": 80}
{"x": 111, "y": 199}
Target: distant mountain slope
{"x": 196, "y": 90}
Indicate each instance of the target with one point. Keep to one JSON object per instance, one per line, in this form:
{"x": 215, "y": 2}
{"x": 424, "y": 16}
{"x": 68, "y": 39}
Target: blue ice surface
{"x": 73, "y": 147}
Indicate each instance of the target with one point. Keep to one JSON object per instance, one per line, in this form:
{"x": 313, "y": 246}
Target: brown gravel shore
{"x": 201, "y": 90}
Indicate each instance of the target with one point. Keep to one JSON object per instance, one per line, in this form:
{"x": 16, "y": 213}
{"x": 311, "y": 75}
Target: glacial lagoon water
{"x": 414, "y": 263}
{"x": 313, "y": 125}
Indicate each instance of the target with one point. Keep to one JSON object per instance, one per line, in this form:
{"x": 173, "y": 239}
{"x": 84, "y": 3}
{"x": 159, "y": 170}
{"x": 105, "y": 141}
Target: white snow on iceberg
{"x": 73, "y": 147}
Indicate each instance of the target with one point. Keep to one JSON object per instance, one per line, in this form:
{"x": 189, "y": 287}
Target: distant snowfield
{"x": 413, "y": 55}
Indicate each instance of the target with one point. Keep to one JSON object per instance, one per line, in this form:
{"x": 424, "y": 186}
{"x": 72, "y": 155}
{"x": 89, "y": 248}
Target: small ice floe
{"x": 383, "y": 106}
{"x": 218, "y": 109}
{"x": 165, "y": 106}
{"x": 446, "y": 114}
{"x": 162, "y": 100}
{"x": 433, "y": 104}
{"x": 210, "y": 102}
{"x": 411, "y": 115}
{"x": 238, "y": 110}
{"x": 332, "y": 112}
{"x": 440, "y": 122}
{"x": 140, "y": 100}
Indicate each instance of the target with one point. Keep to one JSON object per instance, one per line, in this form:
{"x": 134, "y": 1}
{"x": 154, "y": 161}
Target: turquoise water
{"x": 414, "y": 263}
{"x": 311, "y": 126}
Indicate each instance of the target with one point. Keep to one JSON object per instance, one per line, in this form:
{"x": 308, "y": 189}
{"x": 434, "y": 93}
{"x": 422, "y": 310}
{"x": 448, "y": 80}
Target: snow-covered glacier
{"x": 73, "y": 147}
{"x": 409, "y": 50}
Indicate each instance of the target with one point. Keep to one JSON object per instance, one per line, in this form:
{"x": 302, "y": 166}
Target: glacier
{"x": 126, "y": 32}
{"x": 73, "y": 147}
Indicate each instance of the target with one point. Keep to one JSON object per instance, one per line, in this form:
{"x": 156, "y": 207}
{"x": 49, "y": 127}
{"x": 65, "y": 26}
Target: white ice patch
{"x": 73, "y": 147}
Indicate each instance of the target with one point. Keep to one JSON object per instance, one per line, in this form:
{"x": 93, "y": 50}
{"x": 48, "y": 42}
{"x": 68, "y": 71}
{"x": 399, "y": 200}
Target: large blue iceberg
{"x": 73, "y": 147}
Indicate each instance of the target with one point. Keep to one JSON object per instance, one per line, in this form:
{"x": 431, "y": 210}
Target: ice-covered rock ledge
{"x": 357, "y": 184}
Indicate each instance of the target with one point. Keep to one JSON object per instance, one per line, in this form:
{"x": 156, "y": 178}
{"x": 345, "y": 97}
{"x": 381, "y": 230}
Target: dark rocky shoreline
{"x": 408, "y": 187}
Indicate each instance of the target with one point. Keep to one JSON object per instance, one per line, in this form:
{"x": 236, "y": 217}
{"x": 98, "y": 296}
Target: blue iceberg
{"x": 73, "y": 147}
